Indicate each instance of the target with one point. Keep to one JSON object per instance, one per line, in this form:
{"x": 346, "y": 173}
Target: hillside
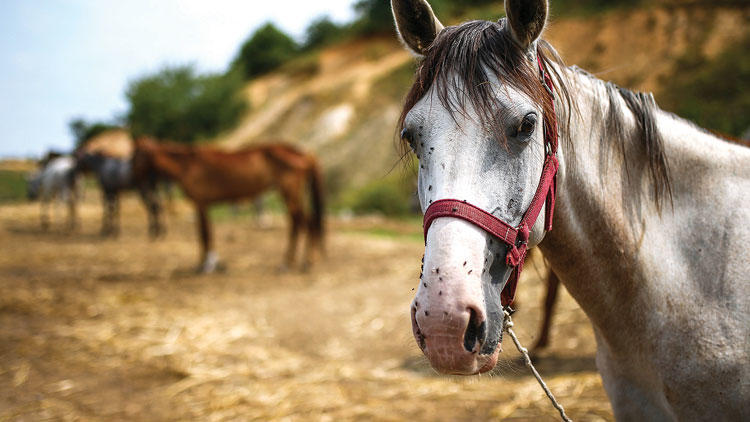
{"x": 343, "y": 102}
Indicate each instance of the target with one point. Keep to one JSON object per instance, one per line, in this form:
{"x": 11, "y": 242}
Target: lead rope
{"x": 507, "y": 324}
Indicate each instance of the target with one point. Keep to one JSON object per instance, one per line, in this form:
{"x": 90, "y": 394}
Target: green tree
{"x": 180, "y": 105}
{"x": 373, "y": 16}
{"x": 321, "y": 32}
{"x": 267, "y": 49}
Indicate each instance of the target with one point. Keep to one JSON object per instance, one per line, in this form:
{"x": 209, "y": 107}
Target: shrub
{"x": 373, "y": 16}
{"x": 177, "y": 104}
{"x": 265, "y": 50}
{"x": 392, "y": 196}
{"x": 321, "y": 32}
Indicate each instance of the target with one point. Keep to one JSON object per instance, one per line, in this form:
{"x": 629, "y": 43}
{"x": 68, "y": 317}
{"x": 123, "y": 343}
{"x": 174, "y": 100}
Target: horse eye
{"x": 406, "y": 136}
{"x": 528, "y": 124}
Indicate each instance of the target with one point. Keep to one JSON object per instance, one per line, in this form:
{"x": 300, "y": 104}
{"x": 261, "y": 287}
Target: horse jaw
{"x": 456, "y": 313}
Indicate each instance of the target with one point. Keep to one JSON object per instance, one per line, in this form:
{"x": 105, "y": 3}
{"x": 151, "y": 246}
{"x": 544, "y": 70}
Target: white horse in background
{"x": 56, "y": 180}
{"x": 651, "y": 231}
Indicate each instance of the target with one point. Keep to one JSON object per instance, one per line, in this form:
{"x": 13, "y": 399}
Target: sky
{"x": 63, "y": 59}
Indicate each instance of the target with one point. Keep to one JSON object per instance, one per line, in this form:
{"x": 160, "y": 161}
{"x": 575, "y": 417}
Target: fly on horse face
{"x": 209, "y": 176}
{"x": 650, "y": 215}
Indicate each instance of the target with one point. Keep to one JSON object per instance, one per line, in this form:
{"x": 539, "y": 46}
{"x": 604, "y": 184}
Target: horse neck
{"x": 617, "y": 253}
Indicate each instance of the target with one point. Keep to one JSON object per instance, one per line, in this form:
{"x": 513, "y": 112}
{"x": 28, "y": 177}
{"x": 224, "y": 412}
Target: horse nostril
{"x": 475, "y": 332}
{"x": 417, "y": 331}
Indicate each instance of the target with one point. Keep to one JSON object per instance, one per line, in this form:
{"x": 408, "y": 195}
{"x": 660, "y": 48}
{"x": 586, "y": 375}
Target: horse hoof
{"x": 204, "y": 269}
{"x": 210, "y": 264}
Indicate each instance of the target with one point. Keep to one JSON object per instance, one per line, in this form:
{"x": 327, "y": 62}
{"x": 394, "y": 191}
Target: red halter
{"x": 515, "y": 237}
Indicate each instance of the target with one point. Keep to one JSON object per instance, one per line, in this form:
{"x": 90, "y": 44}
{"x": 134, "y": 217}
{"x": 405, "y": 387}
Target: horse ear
{"x": 527, "y": 19}
{"x": 416, "y": 24}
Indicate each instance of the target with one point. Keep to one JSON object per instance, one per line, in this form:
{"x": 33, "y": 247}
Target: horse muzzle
{"x": 453, "y": 342}
{"x": 454, "y": 319}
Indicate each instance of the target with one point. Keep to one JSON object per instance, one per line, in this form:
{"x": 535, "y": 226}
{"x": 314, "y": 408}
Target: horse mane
{"x": 643, "y": 107}
{"x": 458, "y": 62}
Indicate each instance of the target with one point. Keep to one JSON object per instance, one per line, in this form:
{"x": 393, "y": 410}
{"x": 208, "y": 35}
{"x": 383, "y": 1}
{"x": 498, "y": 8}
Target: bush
{"x": 267, "y": 49}
{"x": 392, "y": 196}
{"x": 373, "y": 16}
{"x": 179, "y": 105}
{"x": 321, "y": 32}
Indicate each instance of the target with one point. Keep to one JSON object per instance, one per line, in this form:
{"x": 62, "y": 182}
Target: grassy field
{"x": 13, "y": 175}
{"x": 12, "y": 185}
{"x": 98, "y": 329}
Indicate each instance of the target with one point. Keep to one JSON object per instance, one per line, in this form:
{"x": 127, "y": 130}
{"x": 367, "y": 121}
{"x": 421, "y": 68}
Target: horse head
{"x": 475, "y": 120}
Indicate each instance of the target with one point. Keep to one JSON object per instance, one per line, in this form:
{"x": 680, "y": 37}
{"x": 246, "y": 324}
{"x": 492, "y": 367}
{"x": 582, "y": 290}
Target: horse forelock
{"x": 457, "y": 66}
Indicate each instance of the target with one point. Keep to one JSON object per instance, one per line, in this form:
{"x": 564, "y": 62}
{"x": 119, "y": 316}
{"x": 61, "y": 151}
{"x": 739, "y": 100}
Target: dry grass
{"x": 95, "y": 329}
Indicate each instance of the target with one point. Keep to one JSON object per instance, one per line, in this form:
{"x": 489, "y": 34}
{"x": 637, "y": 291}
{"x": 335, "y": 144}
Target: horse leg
{"x": 106, "y": 214}
{"x": 151, "y": 201}
{"x": 156, "y": 225}
{"x": 313, "y": 246}
{"x": 296, "y": 220}
{"x": 209, "y": 258}
{"x": 553, "y": 284}
{"x": 116, "y": 214}
{"x": 72, "y": 217}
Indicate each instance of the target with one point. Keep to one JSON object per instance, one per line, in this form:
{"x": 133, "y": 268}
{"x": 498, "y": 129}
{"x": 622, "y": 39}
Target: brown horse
{"x": 208, "y": 175}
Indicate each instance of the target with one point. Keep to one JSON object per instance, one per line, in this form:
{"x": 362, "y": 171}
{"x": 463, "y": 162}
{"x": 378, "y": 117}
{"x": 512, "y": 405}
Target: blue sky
{"x": 65, "y": 59}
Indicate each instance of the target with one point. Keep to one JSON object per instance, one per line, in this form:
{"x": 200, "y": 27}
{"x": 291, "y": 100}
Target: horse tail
{"x": 315, "y": 180}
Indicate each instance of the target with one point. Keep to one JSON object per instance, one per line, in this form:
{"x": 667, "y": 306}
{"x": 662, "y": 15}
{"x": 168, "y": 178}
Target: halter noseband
{"x": 515, "y": 237}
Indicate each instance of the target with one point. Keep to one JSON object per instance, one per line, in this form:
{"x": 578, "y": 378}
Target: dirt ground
{"x": 110, "y": 330}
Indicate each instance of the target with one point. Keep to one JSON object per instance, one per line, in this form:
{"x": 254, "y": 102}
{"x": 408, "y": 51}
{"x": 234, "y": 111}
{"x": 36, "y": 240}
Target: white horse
{"x": 56, "y": 180}
{"x": 651, "y": 228}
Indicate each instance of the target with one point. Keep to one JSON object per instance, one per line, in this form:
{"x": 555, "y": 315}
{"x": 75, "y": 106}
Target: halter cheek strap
{"x": 515, "y": 237}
